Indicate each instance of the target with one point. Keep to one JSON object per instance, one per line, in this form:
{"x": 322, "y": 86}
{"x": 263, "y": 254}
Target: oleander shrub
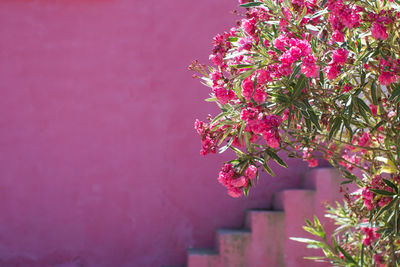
{"x": 315, "y": 79}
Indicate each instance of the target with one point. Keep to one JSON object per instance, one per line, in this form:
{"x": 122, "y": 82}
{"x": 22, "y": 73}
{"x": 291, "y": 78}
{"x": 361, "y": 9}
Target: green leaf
{"x": 299, "y": 86}
{"x": 362, "y": 255}
{"x": 246, "y": 74}
{"x": 242, "y": 66}
{"x": 308, "y": 124}
{"x": 391, "y": 185}
{"x": 296, "y": 70}
{"x": 268, "y": 169}
{"x": 347, "y": 256}
{"x": 304, "y": 240}
{"x": 227, "y": 132}
{"x": 218, "y": 117}
{"x": 373, "y": 94}
{"x": 276, "y": 158}
{"x": 349, "y": 130}
{"x": 246, "y": 191}
{"x": 362, "y": 104}
{"x": 252, "y": 4}
{"x": 321, "y": 77}
{"x": 211, "y": 99}
{"x": 319, "y": 13}
{"x": 382, "y": 192}
{"x": 241, "y": 132}
{"x": 383, "y": 209}
{"x": 395, "y": 93}
{"x": 224, "y": 148}
{"x": 362, "y": 108}
{"x": 346, "y": 182}
{"x": 314, "y": 119}
{"x": 334, "y": 127}
{"x": 377, "y": 126}
{"x": 300, "y": 105}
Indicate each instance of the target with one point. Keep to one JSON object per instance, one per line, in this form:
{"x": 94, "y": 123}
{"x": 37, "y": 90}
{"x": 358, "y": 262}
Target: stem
{"x": 392, "y": 253}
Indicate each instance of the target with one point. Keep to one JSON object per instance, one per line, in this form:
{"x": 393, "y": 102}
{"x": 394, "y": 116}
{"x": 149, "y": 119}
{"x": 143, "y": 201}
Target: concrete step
{"x": 264, "y": 240}
{"x": 267, "y": 246}
{"x": 234, "y": 247}
{"x": 203, "y": 258}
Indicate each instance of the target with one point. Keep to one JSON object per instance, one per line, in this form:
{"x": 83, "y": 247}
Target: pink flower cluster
{"x": 221, "y": 45}
{"x": 378, "y": 22}
{"x": 379, "y": 261}
{"x": 257, "y": 123}
{"x": 209, "y": 139}
{"x": 339, "y": 58}
{"x": 235, "y": 182}
{"x": 248, "y": 92}
{"x": 294, "y": 50}
{"x": 223, "y": 94}
{"x": 390, "y": 71}
{"x": 370, "y": 235}
{"x": 369, "y": 197}
{"x": 308, "y": 157}
{"x": 342, "y": 16}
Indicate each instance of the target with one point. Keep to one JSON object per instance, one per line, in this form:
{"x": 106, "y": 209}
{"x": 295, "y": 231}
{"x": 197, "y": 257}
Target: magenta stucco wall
{"x": 99, "y": 162}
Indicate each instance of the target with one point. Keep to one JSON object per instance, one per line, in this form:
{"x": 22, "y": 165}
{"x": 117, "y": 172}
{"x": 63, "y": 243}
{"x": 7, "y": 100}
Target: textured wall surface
{"x": 99, "y": 162}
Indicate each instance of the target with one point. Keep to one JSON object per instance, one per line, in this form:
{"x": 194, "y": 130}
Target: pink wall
{"x": 99, "y": 162}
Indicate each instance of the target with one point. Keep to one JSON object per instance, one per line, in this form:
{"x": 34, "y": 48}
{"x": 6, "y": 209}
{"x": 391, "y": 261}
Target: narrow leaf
{"x": 276, "y": 158}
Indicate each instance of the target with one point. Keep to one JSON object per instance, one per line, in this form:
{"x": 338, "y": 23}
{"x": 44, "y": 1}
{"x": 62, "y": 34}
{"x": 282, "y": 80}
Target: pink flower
{"x": 308, "y": 67}
{"x": 338, "y": 36}
{"x": 307, "y": 156}
{"x": 245, "y": 43}
{"x": 312, "y": 163}
{"x": 209, "y": 139}
{"x": 336, "y": 22}
{"x": 281, "y": 42}
{"x": 251, "y": 172}
{"x": 248, "y": 26}
{"x": 217, "y": 59}
{"x": 259, "y": 96}
{"x": 365, "y": 140}
{"x": 263, "y": 77}
{"x": 332, "y": 71}
{"x": 347, "y": 88}
{"x": 340, "y": 56}
{"x": 384, "y": 201}
{"x": 199, "y": 126}
{"x": 272, "y": 138}
{"x": 387, "y": 78}
{"x": 350, "y": 19}
{"x": 290, "y": 56}
{"x": 273, "y": 121}
{"x": 285, "y": 69}
{"x": 378, "y": 31}
{"x": 304, "y": 46}
{"x": 223, "y": 95}
{"x": 368, "y": 198}
{"x": 247, "y": 88}
{"x": 374, "y": 109}
{"x": 234, "y": 192}
{"x": 266, "y": 43}
{"x": 379, "y": 261}
{"x": 371, "y": 235}
{"x": 239, "y": 182}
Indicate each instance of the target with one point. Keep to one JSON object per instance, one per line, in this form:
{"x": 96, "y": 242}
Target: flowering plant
{"x": 317, "y": 79}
